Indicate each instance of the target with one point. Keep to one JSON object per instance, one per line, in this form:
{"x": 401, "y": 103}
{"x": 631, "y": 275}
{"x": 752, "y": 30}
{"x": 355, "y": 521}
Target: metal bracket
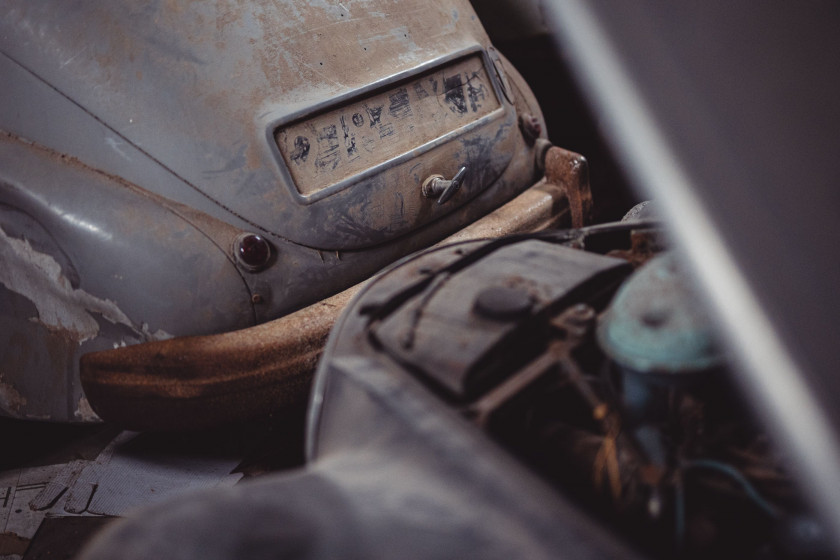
{"x": 571, "y": 172}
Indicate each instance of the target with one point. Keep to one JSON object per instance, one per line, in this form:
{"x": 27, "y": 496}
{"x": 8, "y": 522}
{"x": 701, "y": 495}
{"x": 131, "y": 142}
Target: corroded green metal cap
{"x": 657, "y": 323}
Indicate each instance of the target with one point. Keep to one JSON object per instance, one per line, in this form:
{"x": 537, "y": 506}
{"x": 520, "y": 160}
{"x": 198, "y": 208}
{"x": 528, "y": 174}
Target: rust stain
{"x": 570, "y": 171}
{"x": 225, "y": 16}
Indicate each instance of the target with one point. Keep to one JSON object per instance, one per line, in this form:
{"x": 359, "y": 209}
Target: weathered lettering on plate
{"x": 370, "y": 131}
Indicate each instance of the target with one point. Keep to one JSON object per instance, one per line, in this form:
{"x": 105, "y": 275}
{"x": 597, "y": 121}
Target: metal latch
{"x": 435, "y": 186}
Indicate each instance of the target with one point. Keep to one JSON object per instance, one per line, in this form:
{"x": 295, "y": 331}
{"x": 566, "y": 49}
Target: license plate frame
{"x": 330, "y": 149}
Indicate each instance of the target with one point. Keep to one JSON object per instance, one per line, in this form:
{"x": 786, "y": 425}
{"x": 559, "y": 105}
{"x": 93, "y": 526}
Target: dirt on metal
{"x": 194, "y": 382}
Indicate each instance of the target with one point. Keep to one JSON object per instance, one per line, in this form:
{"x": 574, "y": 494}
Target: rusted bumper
{"x": 193, "y": 382}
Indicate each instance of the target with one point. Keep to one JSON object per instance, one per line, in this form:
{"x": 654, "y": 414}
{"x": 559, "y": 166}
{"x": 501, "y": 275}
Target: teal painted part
{"x": 657, "y": 323}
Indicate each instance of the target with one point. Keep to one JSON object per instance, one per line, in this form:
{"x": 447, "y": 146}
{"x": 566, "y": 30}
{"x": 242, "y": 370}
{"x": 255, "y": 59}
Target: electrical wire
{"x": 738, "y": 477}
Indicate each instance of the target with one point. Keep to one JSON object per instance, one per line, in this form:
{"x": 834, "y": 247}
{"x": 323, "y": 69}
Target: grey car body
{"x": 140, "y": 142}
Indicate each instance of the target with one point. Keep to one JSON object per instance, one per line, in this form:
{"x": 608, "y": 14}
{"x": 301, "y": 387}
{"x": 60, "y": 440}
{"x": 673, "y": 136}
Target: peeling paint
{"x": 61, "y": 308}
{"x": 84, "y": 412}
{"x": 10, "y": 399}
{"x": 159, "y": 334}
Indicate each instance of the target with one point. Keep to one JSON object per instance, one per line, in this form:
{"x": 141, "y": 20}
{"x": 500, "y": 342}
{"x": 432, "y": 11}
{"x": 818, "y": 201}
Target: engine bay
{"x": 589, "y": 355}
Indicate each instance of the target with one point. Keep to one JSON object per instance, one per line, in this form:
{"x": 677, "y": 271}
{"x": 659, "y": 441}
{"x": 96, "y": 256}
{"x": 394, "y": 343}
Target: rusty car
{"x": 189, "y": 169}
{"x": 197, "y": 197}
{"x": 663, "y": 386}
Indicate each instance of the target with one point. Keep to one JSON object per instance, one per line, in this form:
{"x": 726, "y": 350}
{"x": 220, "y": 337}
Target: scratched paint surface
{"x": 330, "y": 147}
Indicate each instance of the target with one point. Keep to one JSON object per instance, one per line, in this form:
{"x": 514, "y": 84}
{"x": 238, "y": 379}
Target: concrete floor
{"x": 257, "y": 447}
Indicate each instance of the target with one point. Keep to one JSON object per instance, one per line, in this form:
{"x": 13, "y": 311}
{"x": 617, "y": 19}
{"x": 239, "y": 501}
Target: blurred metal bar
{"x": 728, "y": 116}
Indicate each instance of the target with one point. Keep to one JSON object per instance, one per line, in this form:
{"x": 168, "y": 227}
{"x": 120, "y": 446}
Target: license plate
{"x": 328, "y": 148}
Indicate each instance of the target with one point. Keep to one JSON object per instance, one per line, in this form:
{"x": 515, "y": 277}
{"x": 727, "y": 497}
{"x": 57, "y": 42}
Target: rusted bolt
{"x": 530, "y": 127}
{"x": 256, "y": 298}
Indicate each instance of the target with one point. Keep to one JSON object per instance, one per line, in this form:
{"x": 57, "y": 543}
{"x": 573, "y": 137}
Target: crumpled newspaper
{"x": 132, "y": 471}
